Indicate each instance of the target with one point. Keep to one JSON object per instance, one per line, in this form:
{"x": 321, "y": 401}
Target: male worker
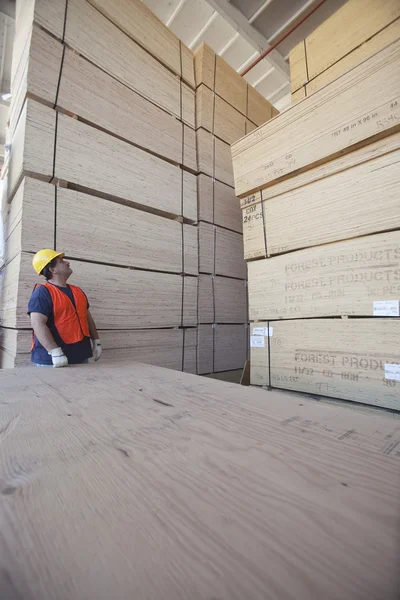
{"x": 60, "y": 317}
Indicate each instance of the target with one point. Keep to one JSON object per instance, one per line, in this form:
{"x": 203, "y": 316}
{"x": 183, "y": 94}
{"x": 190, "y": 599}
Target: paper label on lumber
{"x": 392, "y": 371}
{"x": 253, "y": 232}
{"x": 257, "y": 341}
{"x": 386, "y": 308}
{"x": 268, "y": 331}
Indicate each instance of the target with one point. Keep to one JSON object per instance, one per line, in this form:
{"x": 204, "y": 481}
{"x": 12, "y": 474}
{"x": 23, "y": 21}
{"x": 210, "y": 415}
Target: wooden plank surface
{"x": 298, "y": 66}
{"x": 221, "y": 348}
{"x": 328, "y": 123}
{"x": 229, "y": 123}
{"x": 136, "y": 20}
{"x": 119, "y": 481}
{"x": 120, "y": 298}
{"x": 378, "y": 42}
{"x": 226, "y": 211}
{"x": 187, "y": 57}
{"x": 259, "y": 110}
{"x": 298, "y": 95}
{"x": 343, "y": 358}
{"x": 204, "y": 66}
{"x": 92, "y": 94}
{"x": 345, "y": 278}
{"x": 188, "y": 107}
{"x": 214, "y": 157}
{"x": 96, "y": 38}
{"x": 354, "y": 23}
{"x": 221, "y": 300}
{"x": 230, "y": 86}
{"x": 222, "y": 255}
{"x": 122, "y": 235}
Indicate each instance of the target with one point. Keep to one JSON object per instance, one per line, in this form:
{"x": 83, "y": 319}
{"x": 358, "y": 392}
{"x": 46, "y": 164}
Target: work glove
{"x": 58, "y": 357}
{"x": 96, "y": 349}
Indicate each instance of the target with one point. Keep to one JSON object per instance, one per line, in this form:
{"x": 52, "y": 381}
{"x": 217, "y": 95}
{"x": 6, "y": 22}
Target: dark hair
{"x": 46, "y": 271}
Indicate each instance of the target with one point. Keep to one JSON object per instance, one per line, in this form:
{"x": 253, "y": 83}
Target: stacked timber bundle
{"x": 103, "y": 167}
{"x": 320, "y": 193}
{"x": 354, "y": 33}
{"x": 226, "y": 109}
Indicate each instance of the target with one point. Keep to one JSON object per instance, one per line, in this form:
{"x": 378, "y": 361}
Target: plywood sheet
{"x": 223, "y": 162}
{"x": 230, "y": 86}
{"x": 129, "y": 173}
{"x": 188, "y": 105}
{"x": 214, "y": 157}
{"x": 345, "y": 30}
{"x": 30, "y": 223}
{"x": 189, "y": 148}
{"x": 122, "y": 235}
{"x": 221, "y": 251}
{"x": 328, "y": 123}
{"x": 95, "y": 96}
{"x": 343, "y": 358}
{"x": 229, "y": 123}
{"x": 189, "y": 195}
{"x": 129, "y": 478}
{"x": 204, "y": 108}
{"x": 345, "y": 278}
{"x": 254, "y": 236}
{"x": 298, "y": 67}
{"x": 120, "y": 298}
{"x": 222, "y": 300}
{"x": 100, "y": 41}
{"x": 221, "y": 348}
{"x": 187, "y": 58}
{"x": 260, "y": 341}
{"x": 32, "y": 144}
{"x": 139, "y": 23}
{"x": 204, "y": 65}
{"x": 298, "y": 95}
{"x": 250, "y": 126}
{"x": 205, "y": 152}
{"x": 259, "y": 110}
{"x": 357, "y": 201}
{"x": 226, "y": 211}
{"x": 378, "y": 42}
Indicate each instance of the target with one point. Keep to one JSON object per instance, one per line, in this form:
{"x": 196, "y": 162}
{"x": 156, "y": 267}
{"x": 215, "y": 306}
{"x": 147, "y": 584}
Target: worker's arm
{"x": 96, "y": 345}
{"x": 44, "y": 335}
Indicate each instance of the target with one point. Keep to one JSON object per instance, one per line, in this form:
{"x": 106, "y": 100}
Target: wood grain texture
{"x": 259, "y": 110}
{"x": 95, "y": 96}
{"x": 122, "y": 235}
{"x": 30, "y": 220}
{"x": 344, "y": 278}
{"x": 378, "y": 42}
{"x": 188, "y": 105}
{"x": 130, "y": 174}
{"x": 345, "y": 30}
{"x": 343, "y": 358}
{"x": 204, "y": 66}
{"x": 229, "y": 123}
{"x": 318, "y": 129}
{"x": 221, "y": 348}
{"x": 204, "y": 108}
{"x": 254, "y": 236}
{"x": 32, "y": 144}
{"x": 214, "y": 157}
{"x": 230, "y": 86}
{"x": 250, "y": 126}
{"x": 223, "y": 162}
{"x": 298, "y": 67}
{"x": 357, "y": 201}
{"x": 221, "y": 251}
{"x": 189, "y": 148}
{"x": 120, "y": 298}
{"x": 139, "y": 23}
{"x": 221, "y": 300}
{"x": 226, "y": 212}
{"x": 298, "y": 95}
{"x": 205, "y": 465}
{"x": 187, "y": 58}
{"x": 159, "y": 347}
{"x": 96, "y": 38}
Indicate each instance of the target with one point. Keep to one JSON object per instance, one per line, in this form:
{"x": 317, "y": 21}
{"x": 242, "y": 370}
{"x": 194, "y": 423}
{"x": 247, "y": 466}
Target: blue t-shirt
{"x": 41, "y": 302}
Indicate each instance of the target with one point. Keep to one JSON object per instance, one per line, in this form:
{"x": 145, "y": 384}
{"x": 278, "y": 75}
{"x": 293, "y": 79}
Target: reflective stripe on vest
{"x": 71, "y": 323}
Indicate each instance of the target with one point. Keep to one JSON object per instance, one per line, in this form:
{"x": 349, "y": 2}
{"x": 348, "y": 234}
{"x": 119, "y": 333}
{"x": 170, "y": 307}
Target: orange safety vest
{"x": 71, "y": 323}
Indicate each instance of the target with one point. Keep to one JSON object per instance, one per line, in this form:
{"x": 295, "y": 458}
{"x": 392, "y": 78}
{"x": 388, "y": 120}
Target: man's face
{"x": 62, "y": 268}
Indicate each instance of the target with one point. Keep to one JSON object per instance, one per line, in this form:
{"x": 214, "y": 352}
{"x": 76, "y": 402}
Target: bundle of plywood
{"x": 226, "y": 108}
{"x": 320, "y": 193}
{"x": 103, "y": 167}
{"x": 354, "y": 33}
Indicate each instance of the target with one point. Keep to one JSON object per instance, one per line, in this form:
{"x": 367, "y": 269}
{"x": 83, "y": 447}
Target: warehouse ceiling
{"x": 239, "y": 30}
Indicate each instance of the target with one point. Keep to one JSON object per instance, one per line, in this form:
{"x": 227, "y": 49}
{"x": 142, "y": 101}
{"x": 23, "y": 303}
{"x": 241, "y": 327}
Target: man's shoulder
{"x": 40, "y": 291}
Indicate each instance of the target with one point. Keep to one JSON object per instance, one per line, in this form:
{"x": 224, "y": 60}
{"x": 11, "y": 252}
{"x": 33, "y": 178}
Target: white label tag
{"x": 257, "y": 341}
{"x": 386, "y": 308}
{"x": 392, "y": 372}
{"x": 269, "y": 331}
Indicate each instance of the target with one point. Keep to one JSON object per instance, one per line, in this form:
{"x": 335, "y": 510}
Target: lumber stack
{"x": 226, "y": 109}
{"x": 320, "y": 196}
{"x": 103, "y": 166}
{"x": 353, "y": 34}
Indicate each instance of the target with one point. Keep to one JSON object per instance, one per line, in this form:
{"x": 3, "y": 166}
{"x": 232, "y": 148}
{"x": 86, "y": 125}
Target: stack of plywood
{"x": 354, "y": 33}
{"x": 226, "y": 109}
{"x": 320, "y": 193}
{"x": 103, "y": 167}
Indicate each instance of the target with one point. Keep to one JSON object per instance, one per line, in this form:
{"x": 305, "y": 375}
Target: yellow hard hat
{"x": 43, "y": 258}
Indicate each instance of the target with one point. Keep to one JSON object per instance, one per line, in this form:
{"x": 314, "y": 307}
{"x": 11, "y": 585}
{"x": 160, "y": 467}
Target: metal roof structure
{"x": 240, "y": 30}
